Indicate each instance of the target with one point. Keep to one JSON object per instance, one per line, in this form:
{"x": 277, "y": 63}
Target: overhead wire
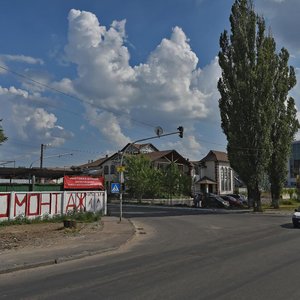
{"x": 78, "y": 99}
{"x": 82, "y": 101}
{"x": 92, "y": 104}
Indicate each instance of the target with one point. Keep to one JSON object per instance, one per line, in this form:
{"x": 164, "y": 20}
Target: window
{"x": 106, "y": 170}
{"x": 294, "y": 168}
{"x": 112, "y": 169}
{"x": 222, "y": 179}
{"x": 226, "y": 179}
{"x": 229, "y": 180}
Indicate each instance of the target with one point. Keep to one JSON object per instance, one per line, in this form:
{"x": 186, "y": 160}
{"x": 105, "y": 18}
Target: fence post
{"x": 105, "y": 202}
{"x": 11, "y": 205}
{"x": 63, "y": 202}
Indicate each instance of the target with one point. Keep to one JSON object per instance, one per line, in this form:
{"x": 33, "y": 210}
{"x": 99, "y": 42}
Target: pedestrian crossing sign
{"x": 115, "y": 188}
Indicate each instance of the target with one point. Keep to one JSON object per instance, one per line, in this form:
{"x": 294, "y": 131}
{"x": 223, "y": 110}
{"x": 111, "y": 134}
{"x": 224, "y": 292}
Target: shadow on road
{"x": 289, "y": 226}
{"x": 136, "y": 211}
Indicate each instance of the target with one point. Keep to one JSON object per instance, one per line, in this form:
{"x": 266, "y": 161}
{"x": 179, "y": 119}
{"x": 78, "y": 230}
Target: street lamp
{"x": 159, "y": 134}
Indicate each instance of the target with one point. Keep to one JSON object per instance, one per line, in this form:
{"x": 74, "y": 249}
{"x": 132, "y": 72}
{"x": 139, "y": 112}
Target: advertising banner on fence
{"x": 83, "y": 182}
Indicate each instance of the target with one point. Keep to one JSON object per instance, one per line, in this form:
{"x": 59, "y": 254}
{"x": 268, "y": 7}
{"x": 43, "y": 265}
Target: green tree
{"x": 248, "y": 63}
{"x": 138, "y": 175}
{"x": 171, "y": 180}
{"x": 185, "y": 185}
{"x": 284, "y": 127}
{"x": 154, "y": 183}
{"x": 3, "y": 138}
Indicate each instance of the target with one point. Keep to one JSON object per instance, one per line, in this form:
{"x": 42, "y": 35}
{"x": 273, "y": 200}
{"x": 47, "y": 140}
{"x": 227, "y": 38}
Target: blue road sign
{"x": 115, "y": 188}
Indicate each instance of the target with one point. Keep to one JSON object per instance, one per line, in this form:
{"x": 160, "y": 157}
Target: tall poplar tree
{"x": 248, "y": 62}
{"x": 284, "y": 127}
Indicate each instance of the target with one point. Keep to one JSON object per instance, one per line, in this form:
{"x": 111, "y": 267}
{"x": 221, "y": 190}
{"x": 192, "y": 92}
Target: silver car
{"x": 296, "y": 217}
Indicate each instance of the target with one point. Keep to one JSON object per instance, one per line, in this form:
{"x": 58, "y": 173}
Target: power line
{"x": 97, "y": 106}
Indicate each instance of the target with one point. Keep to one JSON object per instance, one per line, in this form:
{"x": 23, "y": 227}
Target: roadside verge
{"x": 111, "y": 236}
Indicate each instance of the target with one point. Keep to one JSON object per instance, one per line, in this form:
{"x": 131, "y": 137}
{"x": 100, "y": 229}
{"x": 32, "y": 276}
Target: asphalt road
{"x": 178, "y": 254}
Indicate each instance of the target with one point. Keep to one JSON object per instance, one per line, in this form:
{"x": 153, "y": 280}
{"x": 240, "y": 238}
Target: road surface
{"x": 178, "y": 254}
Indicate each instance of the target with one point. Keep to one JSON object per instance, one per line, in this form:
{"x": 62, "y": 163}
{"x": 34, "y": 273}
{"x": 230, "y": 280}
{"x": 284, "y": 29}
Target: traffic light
{"x": 180, "y": 131}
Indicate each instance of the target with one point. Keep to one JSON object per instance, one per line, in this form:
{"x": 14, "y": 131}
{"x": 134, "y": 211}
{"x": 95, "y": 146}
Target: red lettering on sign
{"x": 20, "y": 204}
{"x": 81, "y": 197}
{"x": 46, "y": 203}
{"x": 30, "y": 199}
{"x": 71, "y": 203}
{"x": 55, "y": 195}
{"x": 5, "y": 197}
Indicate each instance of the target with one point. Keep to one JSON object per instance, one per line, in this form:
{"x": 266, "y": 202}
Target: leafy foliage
{"x": 3, "y": 138}
{"x": 143, "y": 180}
{"x": 284, "y": 127}
{"x": 138, "y": 175}
{"x": 171, "y": 180}
{"x": 253, "y": 87}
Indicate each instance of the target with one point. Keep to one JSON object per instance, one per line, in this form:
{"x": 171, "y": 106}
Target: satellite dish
{"x": 158, "y": 130}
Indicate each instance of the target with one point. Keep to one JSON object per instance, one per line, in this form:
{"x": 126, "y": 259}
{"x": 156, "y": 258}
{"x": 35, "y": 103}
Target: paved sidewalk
{"x": 113, "y": 235}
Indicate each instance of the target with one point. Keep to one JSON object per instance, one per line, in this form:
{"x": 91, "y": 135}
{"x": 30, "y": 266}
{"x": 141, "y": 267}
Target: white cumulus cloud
{"x": 26, "y": 121}
{"x": 21, "y": 58}
{"x": 168, "y": 88}
{"x": 37, "y": 124}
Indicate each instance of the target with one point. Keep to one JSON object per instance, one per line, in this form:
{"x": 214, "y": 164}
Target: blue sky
{"x": 88, "y": 76}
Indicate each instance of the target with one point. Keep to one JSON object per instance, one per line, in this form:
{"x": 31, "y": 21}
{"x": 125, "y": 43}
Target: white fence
{"x": 35, "y": 204}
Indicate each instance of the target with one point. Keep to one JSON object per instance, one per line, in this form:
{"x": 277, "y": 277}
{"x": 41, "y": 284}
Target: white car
{"x": 296, "y": 218}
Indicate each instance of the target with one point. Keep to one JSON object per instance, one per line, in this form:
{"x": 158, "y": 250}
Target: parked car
{"x": 241, "y": 198}
{"x": 296, "y": 218}
{"x": 212, "y": 200}
{"x": 233, "y": 202}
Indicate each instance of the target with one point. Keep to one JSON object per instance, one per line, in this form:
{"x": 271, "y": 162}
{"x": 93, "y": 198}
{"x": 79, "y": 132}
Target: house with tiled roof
{"x": 107, "y": 166}
{"x": 213, "y": 174}
{"x": 161, "y": 159}
{"x": 139, "y": 148}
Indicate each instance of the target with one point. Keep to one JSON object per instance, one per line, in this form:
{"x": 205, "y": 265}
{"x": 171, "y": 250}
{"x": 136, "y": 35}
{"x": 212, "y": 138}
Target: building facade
{"x": 294, "y": 164}
{"x": 213, "y": 174}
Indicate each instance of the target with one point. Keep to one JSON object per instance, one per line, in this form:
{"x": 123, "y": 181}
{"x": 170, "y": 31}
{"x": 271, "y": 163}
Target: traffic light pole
{"x": 121, "y": 177}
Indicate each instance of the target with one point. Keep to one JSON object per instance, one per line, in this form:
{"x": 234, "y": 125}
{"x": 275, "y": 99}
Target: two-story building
{"x": 213, "y": 174}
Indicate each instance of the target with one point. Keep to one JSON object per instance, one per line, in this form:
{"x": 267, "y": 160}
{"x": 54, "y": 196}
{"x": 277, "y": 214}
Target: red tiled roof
{"x": 171, "y": 155}
{"x": 158, "y": 154}
{"x": 94, "y": 163}
{"x": 98, "y": 162}
{"x": 214, "y": 155}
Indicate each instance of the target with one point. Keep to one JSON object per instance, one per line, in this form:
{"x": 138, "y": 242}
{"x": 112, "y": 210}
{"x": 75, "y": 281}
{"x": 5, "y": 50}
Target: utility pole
{"x": 42, "y": 156}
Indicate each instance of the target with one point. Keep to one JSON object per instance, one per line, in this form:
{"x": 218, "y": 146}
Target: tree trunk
{"x": 275, "y": 193}
{"x": 254, "y": 197}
